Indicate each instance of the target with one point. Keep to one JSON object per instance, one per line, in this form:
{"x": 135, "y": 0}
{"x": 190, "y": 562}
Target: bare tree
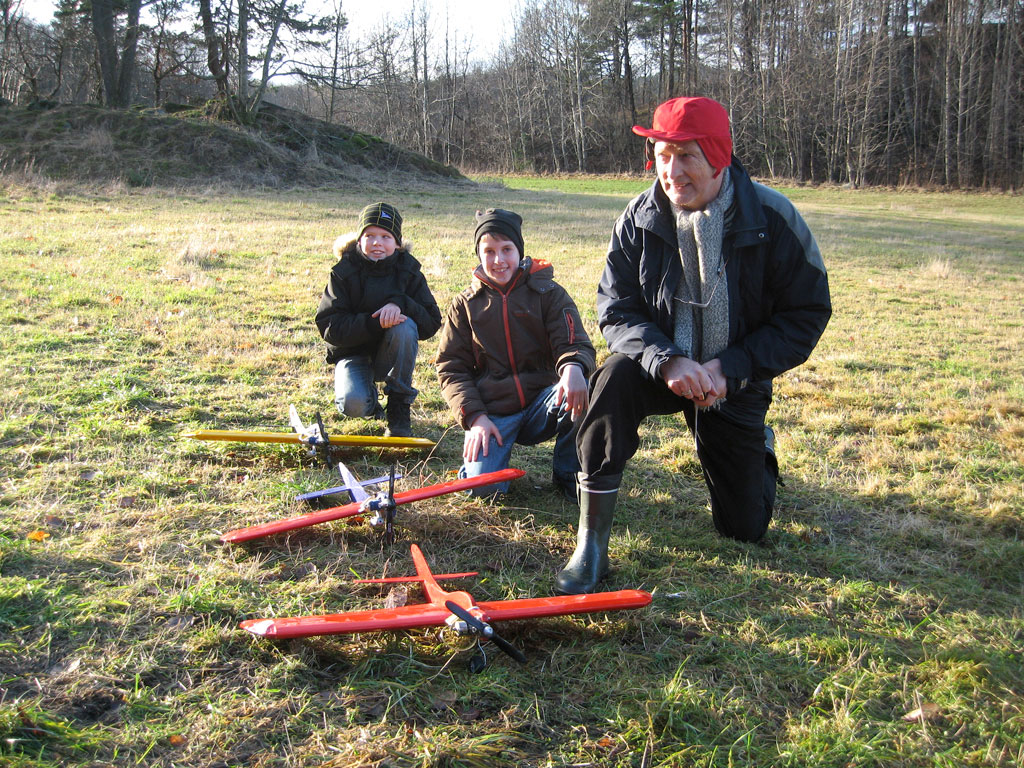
{"x": 117, "y": 58}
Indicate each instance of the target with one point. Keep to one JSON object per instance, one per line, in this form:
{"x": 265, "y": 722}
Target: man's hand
{"x": 717, "y": 391}
{"x": 572, "y": 390}
{"x": 703, "y": 384}
{"x": 389, "y": 315}
{"x": 478, "y": 438}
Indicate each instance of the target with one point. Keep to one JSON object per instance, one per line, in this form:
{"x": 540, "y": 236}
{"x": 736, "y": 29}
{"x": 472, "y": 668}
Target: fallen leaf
{"x": 926, "y": 711}
{"x": 38, "y": 535}
{"x": 61, "y": 668}
{"x": 444, "y": 700}
{"x": 397, "y": 597}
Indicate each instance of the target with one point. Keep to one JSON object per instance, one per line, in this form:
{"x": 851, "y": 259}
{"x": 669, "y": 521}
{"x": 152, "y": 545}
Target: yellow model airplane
{"x": 314, "y": 436}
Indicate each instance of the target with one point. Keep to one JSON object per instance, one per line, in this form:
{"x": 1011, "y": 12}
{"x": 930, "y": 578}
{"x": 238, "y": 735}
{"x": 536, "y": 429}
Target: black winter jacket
{"x": 779, "y": 300}
{"x": 358, "y": 287}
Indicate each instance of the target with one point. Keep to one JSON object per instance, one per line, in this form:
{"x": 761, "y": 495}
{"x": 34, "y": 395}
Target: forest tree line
{"x": 861, "y": 92}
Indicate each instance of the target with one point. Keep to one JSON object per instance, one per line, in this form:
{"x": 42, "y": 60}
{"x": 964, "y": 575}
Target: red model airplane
{"x": 457, "y": 610}
{"x": 383, "y": 504}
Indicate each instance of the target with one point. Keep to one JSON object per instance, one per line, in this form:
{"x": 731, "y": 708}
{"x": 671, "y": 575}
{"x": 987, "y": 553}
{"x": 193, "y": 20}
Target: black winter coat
{"x": 358, "y": 287}
{"x": 779, "y": 300}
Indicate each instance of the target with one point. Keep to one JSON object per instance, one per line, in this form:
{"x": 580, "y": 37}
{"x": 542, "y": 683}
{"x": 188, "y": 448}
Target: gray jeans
{"x": 355, "y": 377}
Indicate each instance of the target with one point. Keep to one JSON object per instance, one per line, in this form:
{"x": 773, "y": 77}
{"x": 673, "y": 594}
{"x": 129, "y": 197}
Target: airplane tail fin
{"x": 353, "y": 486}
{"x": 423, "y": 573}
{"x": 295, "y": 421}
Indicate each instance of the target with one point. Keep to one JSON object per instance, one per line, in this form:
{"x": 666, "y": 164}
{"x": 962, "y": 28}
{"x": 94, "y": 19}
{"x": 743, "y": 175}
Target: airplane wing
{"x": 377, "y": 620}
{"x": 344, "y": 488}
{"x": 348, "y": 510}
{"x": 430, "y": 615}
{"x": 562, "y": 605}
{"x": 352, "y": 441}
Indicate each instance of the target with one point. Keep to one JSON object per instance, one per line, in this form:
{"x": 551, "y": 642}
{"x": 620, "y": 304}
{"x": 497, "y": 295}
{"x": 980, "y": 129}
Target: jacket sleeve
{"x": 419, "y": 304}
{"x": 627, "y": 296}
{"x": 569, "y": 340}
{"x": 456, "y": 365}
{"x": 339, "y": 323}
{"x": 796, "y": 295}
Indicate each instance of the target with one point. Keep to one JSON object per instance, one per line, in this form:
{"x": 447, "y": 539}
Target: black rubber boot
{"x": 399, "y": 419}
{"x": 589, "y": 563}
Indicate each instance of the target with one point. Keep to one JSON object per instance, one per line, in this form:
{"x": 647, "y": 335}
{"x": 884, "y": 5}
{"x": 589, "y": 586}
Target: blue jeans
{"x": 355, "y": 377}
{"x": 542, "y": 420}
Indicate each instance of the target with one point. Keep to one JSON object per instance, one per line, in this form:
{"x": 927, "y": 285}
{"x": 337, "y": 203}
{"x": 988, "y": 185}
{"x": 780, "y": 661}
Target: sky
{"x": 472, "y": 19}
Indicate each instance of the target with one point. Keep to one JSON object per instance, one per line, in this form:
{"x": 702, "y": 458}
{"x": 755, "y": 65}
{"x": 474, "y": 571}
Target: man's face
{"x": 377, "y": 243}
{"x": 685, "y": 174}
{"x": 500, "y": 258}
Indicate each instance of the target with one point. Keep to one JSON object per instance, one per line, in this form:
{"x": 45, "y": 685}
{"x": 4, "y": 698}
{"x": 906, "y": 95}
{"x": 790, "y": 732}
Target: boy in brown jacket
{"x": 513, "y": 358}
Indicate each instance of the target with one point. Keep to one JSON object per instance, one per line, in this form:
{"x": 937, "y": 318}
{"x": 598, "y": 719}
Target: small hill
{"x": 180, "y": 146}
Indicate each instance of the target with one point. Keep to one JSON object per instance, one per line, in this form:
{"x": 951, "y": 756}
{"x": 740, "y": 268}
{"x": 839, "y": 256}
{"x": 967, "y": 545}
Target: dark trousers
{"x": 739, "y": 473}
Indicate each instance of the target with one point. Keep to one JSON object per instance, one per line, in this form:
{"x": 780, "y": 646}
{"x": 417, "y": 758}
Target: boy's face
{"x": 499, "y": 257}
{"x": 377, "y": 243}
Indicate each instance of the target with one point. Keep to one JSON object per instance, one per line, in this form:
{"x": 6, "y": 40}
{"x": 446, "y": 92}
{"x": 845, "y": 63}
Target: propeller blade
{"x": 321, "y": 436}
{"x": 389, "y": 512}
{"x": 485, "y": 630}
{"x": 508, "y": 648}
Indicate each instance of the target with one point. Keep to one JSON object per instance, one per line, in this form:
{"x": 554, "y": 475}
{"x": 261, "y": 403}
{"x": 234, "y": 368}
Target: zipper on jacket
{"x": 508, "y": 342}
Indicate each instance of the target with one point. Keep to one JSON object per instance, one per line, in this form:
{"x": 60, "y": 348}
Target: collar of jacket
{"x": 538, "y": 274}
{"x": 356, "y": 260}
{"x": 655, "y": 214}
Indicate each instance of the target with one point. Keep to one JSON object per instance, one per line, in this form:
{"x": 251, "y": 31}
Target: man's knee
{"x": 750, "y": 529}
{"x": 749, "y": 521}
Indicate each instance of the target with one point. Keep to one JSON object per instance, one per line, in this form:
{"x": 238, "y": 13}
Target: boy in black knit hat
{"x": 513, "y": 358}
{"x": 375, "y": 310}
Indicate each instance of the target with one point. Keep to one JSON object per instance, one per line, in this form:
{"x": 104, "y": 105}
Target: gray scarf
{"x": 702, "y": 332}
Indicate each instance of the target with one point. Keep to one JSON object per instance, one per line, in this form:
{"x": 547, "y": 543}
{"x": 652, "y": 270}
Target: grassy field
{"x": 879, "y": 623}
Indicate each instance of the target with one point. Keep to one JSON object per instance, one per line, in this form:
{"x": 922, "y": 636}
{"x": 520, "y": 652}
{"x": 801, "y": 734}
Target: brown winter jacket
{"x": 501, "y": 347}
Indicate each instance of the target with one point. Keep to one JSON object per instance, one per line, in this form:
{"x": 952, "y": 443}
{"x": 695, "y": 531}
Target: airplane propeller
{"x": 485, "y": 630}
{"x": 389, "y": 511}
{"x": 324, "y": 438}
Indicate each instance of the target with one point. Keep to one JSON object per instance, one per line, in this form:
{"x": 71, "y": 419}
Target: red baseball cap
{"x": 693, "y": 118}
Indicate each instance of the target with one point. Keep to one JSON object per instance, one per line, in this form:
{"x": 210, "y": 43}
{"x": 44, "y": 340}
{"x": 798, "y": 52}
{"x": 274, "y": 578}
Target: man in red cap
{"x": 713, "y": 286}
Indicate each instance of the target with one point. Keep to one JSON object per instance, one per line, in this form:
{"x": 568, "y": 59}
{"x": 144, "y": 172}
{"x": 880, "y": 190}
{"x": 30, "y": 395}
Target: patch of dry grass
{"x": 890, "y": 582}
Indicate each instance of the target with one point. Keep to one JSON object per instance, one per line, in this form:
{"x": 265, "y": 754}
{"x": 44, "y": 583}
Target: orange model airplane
{"x": 382, "y": 505}
{"x": 457, "y": 610}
